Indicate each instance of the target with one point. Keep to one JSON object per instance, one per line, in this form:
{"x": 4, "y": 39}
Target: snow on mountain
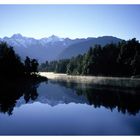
{"x": 51, "y": 40}
{"x": 54, "y": 38}
{"x": 50, "y": 48}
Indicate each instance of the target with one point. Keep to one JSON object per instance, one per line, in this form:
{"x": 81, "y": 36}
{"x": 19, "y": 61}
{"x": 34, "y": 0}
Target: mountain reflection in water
{"x": 125, "y": 100}
{"x": 54, "y": 93}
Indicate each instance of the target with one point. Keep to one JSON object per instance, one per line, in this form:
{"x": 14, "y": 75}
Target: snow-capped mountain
{"x": 54, "y": 38}
{"x": 41, "y": 49}
{"x": 53, "y": 47}
{"x": 17, "y": 40}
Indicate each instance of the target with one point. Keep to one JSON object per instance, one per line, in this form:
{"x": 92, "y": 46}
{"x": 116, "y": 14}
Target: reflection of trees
{"x": 10, "y": 92}
{"x": 126, "y": 101}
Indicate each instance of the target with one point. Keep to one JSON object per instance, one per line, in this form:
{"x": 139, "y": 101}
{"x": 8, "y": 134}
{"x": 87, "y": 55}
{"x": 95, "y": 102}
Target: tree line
{"x": 122, "y": 60}
{"x": 11, "y": 65}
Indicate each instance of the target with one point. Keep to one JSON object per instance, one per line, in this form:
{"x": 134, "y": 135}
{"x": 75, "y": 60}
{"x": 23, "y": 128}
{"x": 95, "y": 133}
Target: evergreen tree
{"x": 27, "y": 64}
{"x": 122, "y": 59}
{"x": 34, "y": 66}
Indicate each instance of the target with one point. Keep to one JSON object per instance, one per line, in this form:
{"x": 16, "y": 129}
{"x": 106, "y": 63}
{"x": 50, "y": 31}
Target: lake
{"x": 60, "y": 108}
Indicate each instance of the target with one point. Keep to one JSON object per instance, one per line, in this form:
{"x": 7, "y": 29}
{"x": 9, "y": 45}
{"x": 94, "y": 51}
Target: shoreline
{"x": 94, "y": 80}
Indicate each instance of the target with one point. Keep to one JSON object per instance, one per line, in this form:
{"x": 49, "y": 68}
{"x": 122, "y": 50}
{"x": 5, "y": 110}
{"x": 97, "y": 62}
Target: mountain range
{"x": 54, "y": 47}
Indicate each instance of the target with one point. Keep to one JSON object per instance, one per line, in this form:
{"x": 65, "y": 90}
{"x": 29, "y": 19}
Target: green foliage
{"x": 122, "y": 59}
{"x": 75, "y": 65}
{"x": 55, "y": 66}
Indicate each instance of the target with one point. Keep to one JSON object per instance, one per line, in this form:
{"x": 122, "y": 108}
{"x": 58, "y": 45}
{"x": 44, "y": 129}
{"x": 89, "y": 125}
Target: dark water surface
{"x": 68, "y": 109}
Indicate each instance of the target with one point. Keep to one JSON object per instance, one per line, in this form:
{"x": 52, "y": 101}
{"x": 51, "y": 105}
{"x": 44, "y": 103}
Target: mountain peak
{"x": 16, "y": 36}
{"x": 54, "y": 38}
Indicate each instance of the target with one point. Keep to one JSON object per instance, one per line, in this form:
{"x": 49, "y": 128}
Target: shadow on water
{"x": 125, "y": 100}
{"x": 11, "y": 91}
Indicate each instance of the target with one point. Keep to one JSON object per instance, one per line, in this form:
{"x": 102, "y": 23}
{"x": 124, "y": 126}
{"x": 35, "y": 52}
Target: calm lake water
{"x": 54, "y": 108}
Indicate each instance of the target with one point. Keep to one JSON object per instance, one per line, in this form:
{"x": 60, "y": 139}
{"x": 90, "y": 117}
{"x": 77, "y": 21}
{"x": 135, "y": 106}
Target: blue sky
{"x": 74, "y": 21}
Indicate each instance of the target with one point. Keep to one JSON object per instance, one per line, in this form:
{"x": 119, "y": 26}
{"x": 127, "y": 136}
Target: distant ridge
{"x": 83, "y": 46}
{"x": 54, "y": 47}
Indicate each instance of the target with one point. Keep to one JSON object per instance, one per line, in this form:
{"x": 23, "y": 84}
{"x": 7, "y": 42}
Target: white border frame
{"x": 69, "y": 1}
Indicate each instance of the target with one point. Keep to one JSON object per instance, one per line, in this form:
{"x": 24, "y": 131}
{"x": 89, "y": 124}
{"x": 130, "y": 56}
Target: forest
{"x": 117, "y": 60}
{"x": 12, "y": 67}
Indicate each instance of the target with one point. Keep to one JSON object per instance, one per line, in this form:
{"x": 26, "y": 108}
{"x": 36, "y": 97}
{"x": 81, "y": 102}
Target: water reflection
{"x": 54, "y": 93}
{"x": 125, "y": 100}
{"x": 10, "y": 92}
{"x": 67, "y": 109}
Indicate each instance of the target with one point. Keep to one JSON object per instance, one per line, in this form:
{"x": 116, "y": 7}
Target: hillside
{"x": 82, "y": 47}
{"x": 53, "y": 47}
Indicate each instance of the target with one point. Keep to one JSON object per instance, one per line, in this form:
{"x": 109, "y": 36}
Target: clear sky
{"x": 74, "y": 21}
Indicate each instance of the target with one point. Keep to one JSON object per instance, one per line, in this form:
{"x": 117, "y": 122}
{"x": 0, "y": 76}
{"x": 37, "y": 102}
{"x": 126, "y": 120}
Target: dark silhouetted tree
{"x": 27, "y": 64}
{"x": 34, "y": 66}
{"x": 122, "y": 59}
{"x": 11, "y": 65}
